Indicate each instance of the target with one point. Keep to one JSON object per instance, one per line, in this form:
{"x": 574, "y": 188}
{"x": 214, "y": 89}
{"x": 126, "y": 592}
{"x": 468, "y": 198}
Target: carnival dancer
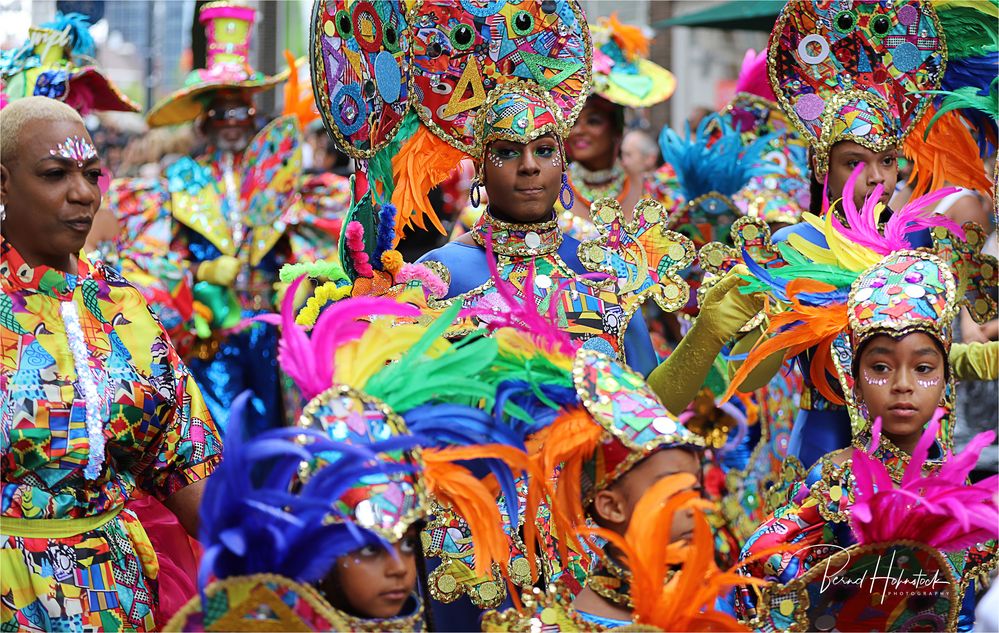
{"x": 95, "y": 402}
{"x": 228, "y": 217}
{"x": 895, "y": 375}
{"x": 854, "y": 107}
{"x": 623, "y": 77}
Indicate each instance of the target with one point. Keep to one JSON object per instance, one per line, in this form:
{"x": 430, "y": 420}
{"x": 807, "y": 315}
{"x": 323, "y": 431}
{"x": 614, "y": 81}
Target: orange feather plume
{"x": 298, "y": 100}
{"x": 568, "y": 442}
{"x": 797, "y": 330}
{"x": 947, "y": 155}
{"x": 423, "y": 162}
{"x": 475, "y": 500}
{"x": 663, "y": 597}
{"x": 631, "y": 39}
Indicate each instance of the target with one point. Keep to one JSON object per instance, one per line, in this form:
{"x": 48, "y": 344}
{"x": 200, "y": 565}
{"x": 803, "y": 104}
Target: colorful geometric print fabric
{"x": 521, "y": 114}
{"x": 159, "y": 435}
{"x": 589, "y": 312}
{"x": 854, "y": 68}
{"x": 462, "y": 51}
{"x": 361, "y": 69}
{"x": 102, "y": 580}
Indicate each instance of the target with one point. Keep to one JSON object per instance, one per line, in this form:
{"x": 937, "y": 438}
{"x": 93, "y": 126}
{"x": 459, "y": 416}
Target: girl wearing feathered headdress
{"x": 834, "y": 71}
{"x": 888, "y": 338}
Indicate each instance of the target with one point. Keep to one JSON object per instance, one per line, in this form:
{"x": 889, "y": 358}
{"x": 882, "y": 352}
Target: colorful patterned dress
{"x": 815, "y": 520}
{"x": 71, "y": 557}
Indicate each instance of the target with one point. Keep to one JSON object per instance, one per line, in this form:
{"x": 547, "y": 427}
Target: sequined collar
{"x": 894, "y": 458}
{"x": 411, "y": 620}
{"x": 518, "y": 240}
{"x": 18, "y": 276}
{"x": 611, "y": 582}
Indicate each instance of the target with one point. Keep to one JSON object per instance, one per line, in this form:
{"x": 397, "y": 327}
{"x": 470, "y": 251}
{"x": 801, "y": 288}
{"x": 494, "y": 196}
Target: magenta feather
{"x": 310, "y": 361}
{"x": 862, "y": 224}
{"x": 526, "y": 315}
{"x": 940, "y": 509}
{"x": 753, "y": 76}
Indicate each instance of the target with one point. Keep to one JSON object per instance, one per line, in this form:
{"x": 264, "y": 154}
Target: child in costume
{"x": 833, "y": 71}
{"x": 673, "y": 586}
{"x": 894, "y": 367}
{"x": 383, "y": 390}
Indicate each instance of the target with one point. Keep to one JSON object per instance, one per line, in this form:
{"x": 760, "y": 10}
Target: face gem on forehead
{"x": 76, "y": 149}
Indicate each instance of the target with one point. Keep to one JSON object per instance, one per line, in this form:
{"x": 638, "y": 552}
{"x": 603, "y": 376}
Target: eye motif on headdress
{"x": 361, "y": 68}
{"x": 846, "y": 69}
{"x": 461, "y": 53}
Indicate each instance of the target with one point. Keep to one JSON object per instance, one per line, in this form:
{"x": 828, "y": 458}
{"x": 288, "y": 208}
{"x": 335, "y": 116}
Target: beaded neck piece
{"x": 518, "y": 240}
{"x": 591, "y": 185}
{"x": 611, "y": 582}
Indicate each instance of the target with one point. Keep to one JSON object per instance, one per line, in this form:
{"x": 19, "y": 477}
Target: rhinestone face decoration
{"x": 75, "y": 149}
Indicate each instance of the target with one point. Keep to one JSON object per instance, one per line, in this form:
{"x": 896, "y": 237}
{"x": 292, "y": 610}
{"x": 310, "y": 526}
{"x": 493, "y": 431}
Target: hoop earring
{"x": 3, "y": 212}
{"x": 474, "y": 195}
{"x": 566, "y": 189}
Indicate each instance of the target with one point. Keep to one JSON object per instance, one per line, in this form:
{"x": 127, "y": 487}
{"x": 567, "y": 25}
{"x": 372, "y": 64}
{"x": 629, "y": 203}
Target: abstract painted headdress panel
{"x": 360, "y": 67}
{"x": 461, "y": 51}
{"x": 849, "y": 70}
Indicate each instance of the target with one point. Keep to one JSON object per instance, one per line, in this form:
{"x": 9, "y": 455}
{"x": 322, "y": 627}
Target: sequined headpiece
{"x": 635, "y": 422}
{"x": 908, "y": 291}
{"x": 404, "y": 90}
{"x": 845, "y": 70}
{"x": 518, "y": 112}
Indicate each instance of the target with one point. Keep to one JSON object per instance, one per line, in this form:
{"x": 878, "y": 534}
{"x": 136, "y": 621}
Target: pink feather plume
{"x": 753, "y": 76}
{"x": 310, "y": 361}
{"x": 355, "y": 244}
{"x": 939, "y": 508}
{"x": 916, "y": 215}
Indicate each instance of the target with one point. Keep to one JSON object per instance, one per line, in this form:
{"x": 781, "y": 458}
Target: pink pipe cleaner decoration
{"x": 433, "y": 286}
{"x": 310, "y": 361}
{"x": 355, "y": 244}
{"x": 916, "y": 215}
{"x": 940, "y": 509}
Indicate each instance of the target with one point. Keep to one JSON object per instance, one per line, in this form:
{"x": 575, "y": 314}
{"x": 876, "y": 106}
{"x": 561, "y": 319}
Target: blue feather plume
{"x": 705, "y": 164}
{"x": 252, "y": 523}
{"x": 79, "y": 32}
{"x": 386, "y": 234}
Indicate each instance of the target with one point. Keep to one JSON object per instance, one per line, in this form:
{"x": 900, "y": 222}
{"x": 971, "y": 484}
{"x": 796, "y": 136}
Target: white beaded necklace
{"x": 88, "y": 384}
